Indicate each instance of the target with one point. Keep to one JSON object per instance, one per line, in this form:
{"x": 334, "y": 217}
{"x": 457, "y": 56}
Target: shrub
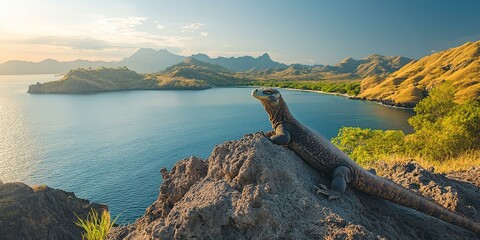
{"x": 443, "y": 128}
{"x": 368, "y": 145}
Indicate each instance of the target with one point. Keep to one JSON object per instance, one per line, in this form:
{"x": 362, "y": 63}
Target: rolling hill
{"x": 83, "y": 80}
{"x": 189, "y": 74}
{"x": 411, "y": 83}
{"x": 194, "y": 70}
{"x": 349, "y": 68}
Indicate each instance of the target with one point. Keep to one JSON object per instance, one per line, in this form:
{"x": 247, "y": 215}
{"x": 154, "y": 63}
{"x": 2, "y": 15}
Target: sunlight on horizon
{"x": 16, "y": 143}
{"x": 307, "y": 33}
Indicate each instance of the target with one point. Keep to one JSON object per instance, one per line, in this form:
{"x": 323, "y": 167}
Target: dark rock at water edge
{"x": 41, "y": 212}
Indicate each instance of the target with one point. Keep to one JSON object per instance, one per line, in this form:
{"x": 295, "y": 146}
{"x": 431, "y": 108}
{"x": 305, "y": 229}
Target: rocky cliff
{"x": 253, "y": 189}
{"x": 40, "y": 212}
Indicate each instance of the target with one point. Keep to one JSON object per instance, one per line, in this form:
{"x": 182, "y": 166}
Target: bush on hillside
{"x": 443, "y": 128}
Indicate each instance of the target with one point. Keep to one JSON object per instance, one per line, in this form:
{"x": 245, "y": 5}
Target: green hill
{"x": 192, "y": 69}
{"x": 189, "y": 74}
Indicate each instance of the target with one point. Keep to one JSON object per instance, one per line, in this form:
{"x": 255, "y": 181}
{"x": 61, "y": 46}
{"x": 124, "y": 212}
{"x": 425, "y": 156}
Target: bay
{"x": 109, "y": 147}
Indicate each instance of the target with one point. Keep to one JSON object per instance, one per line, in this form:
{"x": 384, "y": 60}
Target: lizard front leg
{"x": 282, "y": 136}
{"x": 269, "y": 134}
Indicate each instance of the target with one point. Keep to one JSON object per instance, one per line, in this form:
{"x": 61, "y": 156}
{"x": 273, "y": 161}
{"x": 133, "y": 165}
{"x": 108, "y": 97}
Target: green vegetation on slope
{"x": 350, "y": 88}
{"x": 211, "y": 74}
{"x": 444, "y": 131}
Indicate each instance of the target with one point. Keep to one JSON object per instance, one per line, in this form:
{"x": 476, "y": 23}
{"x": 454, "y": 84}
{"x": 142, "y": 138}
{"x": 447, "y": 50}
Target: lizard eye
{"x": 267, "y": 91}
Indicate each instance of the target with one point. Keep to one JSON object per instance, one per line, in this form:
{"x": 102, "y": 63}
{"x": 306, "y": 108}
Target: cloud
{"x": 204, "y": 34}
{"x": 125, "y": 32}
{"x": 192, "y": 27}
{"x": 80, "y": 43}
{"x": 126, "y": 24}
{"x": 433, "y": 51}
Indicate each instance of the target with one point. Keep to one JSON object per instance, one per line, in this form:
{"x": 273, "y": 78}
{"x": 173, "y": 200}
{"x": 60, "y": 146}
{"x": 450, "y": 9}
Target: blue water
{"x": 110, "y": 147}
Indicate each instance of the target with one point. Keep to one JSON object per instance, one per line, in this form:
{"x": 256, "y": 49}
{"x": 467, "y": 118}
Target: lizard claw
{"x": 322, "y": 189}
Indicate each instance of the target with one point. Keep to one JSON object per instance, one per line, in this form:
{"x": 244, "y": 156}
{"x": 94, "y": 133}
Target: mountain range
{"x": 145, "y": 60}
{"x": 349, "y": 68}
{"x": 241, "y": 64}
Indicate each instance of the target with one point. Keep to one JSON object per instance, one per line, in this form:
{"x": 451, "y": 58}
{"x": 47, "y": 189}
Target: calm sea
{"x": 109, "y": 147}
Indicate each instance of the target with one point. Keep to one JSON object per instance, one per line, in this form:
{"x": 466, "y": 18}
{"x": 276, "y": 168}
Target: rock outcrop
{"x": 253, "y": 189}
{"x": 40, "y": 212}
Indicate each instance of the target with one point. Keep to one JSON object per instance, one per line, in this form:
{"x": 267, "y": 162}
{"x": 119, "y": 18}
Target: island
{"x": 190, "y": 74}
{"x": 391, "y": 80}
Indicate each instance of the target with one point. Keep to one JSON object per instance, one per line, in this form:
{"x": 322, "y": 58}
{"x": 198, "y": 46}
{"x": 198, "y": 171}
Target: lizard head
{"x": 268, "y": 96}
{"x": 273, "y": 102}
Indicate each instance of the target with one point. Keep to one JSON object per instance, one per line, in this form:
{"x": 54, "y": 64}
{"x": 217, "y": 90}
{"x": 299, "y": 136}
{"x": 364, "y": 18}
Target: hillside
{"x": 195, "y": 70}
{"x": 241, "y": 64}
{"x": 83, "y": 80}
{"x": 189, "y": 74}
{"x": 349, "y": 68}
{"x": 254, "y": 189}
{"x": 411, "y": 83}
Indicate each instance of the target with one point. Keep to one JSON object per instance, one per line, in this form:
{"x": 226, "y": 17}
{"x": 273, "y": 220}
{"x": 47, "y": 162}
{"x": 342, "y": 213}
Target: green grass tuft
{"x": 96, "y": 227}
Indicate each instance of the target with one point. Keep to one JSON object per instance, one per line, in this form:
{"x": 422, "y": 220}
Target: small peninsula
{"x": 190, "y": 74}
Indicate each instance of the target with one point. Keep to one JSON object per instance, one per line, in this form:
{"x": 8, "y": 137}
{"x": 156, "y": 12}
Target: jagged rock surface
{"x": 253, "y": 189}
{"x": 40, "y": 212}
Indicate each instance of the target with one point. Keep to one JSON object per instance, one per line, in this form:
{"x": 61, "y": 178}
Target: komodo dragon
{"x": 324, "y": 157}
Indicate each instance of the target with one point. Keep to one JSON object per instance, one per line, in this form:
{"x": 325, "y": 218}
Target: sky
{"x": 307, "y": 32}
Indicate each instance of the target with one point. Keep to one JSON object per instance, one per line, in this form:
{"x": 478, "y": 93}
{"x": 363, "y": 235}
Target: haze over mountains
{"x": 147, "y": 60}
{"x": 241, "y": 64}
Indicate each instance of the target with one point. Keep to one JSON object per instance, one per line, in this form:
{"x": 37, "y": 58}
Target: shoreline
{"x": 346, "y": 96}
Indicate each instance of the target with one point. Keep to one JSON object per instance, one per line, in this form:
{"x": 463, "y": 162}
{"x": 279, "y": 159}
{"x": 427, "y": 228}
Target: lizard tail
{"x": 388, "y": 190}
